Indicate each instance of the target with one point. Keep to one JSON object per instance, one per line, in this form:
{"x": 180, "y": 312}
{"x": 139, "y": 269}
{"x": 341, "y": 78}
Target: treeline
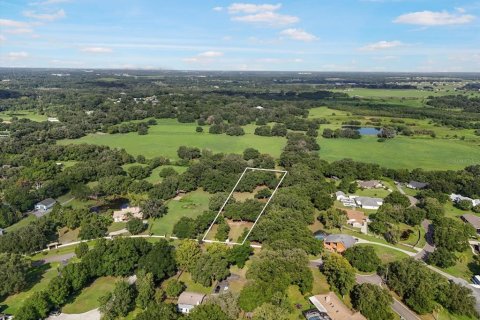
{"x": 455, "y": 102}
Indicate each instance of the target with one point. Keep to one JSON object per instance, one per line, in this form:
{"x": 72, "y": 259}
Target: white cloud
{"x": 432, "y": 18}
{"x": 252, "y": 8}
{"x": 211, "y": 54}
{"x": 2, "y": 38}
{"x": 17, "y": 55}
{"x": 96, "y": 50}
{"x": 218, "y": 9}
{"x": 45, "y": 16}
{"x": 269, "y": 18}
{"x": 13, "y": 23}
{"x": 204, "y": 57}
{"x": 47, "y": 2}
{"x": 19, "y": 31}
{"x": 298, "y": 34}
{"x": 382, "y": 45}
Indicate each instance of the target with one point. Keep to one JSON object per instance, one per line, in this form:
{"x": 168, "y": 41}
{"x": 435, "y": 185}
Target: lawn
{"x": 403, "y": 152}
{"x": 40, "y": 280}
{"x": 192, "y": 286}
{"x": 164, "y": 139}
{"x": 23, "y": 114}
{"x": 87, "y": 299}
{"x": 191, "y": 205}
{"x": 22, "y": 223}
{"x": 385, "y": 254}
{"x": 378, "y": 193}
{"x": 462, "y": 268}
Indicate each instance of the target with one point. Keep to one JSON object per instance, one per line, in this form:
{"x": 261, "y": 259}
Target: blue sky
{"x": 310, "y": 35}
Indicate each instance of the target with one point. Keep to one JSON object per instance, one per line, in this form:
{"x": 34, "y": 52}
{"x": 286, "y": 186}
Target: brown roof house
{"x": 331, "y": 305}
{"x": 189, "y": 300}
{"x": 357, "y": 219}
{"x": 370, "y": 184}
{"x": 473, "y": 220}
{"x": 338, "y": 242}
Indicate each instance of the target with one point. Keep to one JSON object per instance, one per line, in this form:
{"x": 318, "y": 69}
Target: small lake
{"x": 115, "y": 204}
{"x": 365, "y": 131}
{"x": 320, "y": 235}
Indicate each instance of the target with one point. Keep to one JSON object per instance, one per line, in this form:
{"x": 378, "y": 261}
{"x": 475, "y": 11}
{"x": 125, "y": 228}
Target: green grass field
{"x": 164, "y": 139}
{"x": 191, "y": 205}
{"x": 403, "y": 152}
{"x": 22, "y": 114}
{"x": 385, "y": 254}
{"x": 22, "y": 223}
{"x": 39, "y": 281}
{"x": 88, "y": 298}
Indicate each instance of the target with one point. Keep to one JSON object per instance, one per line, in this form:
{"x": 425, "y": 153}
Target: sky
{"x": 300, "y": 35}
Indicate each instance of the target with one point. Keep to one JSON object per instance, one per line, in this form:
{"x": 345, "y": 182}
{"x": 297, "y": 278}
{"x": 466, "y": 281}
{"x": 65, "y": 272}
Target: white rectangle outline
{"x": 230, "y": 195}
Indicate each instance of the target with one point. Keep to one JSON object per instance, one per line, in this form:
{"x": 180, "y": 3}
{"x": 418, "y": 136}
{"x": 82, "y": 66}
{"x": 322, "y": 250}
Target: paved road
{"x": 57, "y": 258}
{"x": 397, "y": 306}
{"x": 90, "y": 315}
{"x": 429, "y": 246}
{"x": 413, "y": 200}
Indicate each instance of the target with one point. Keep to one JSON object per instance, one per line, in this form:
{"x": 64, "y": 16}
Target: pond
{"x": 115, "y": 204}
{"x": 320, "y": 235}
{"x": 365, "y": 131}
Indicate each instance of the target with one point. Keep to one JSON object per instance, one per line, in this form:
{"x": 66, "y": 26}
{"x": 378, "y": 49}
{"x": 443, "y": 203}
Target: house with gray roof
{"x": 368, "y": 202}
{"x": 416, "y": 185}
{"x": 189, "y": 300}
{"x": 46, "y": 204}
{"x": 339, "y": 242}
{"x": 473, "y": 220}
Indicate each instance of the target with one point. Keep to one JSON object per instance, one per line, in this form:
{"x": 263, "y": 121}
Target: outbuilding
{"x": 46, "y": 204}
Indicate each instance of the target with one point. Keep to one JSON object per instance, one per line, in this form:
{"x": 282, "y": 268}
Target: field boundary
{"x": 230, "y": 195}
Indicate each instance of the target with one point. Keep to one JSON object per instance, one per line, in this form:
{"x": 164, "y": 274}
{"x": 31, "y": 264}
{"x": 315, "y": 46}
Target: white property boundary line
{"x": 230, "y": 195}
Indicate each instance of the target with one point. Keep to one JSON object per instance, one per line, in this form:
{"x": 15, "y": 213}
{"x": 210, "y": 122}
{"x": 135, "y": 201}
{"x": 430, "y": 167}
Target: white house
{"x": 369, "y": 203}
{"x": 340, "y": 195}
{"x": 457, "y": 197}
{"x": 52, "y": 119}
{"x": 416, "y": 185}
{"x": 189, "y": 300}
{"x": 46, "y": 204}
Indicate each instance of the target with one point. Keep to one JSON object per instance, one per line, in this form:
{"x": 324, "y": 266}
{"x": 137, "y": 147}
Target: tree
{"x": 433, "y": 208}
{"x": 222, "y": 231}
{"x": 397, "y": 198}
{"x": 458, "y": 300}
{"x": 363, "y": 258}
{"x": 228, "y": 302}
{"x": 173, "y": 288}
{"x": 340, "y": 274}
{"x": 136, "y": 226}
{"x": 372, "y": 301}
{"x": 81, "y": 249}
{"x": 207, "y": 312}
{"x": 35, "y": 307}
{"x": 167, "y": 172}
{"x": 442, "y": 258}
{"x": 159, "y": 311}
{"x": 323, "y": 201}
{"x": 263, "y": 131}
{"x": 188, "y": 153}
{"x": 138, "y": 172}
{"x": 279, "y": 129}
{"x": 145, "y": 288}
{"x": 117, "y": 303}
{"x": 263, "y": 194}
{"x": 187, "y": 254}
{"x": 251, "y": 153}
{"x": 238, "y": 255}
{"x": 153, "y": 208}
{"x": 464, "y": 205}
{"x": 160, "y": 261}
{"x": 209, "y": 268}
{"x": 414, "y": 216}
{"x": 452, "y": 234}
{"x": 199, "y": 129}
{"x": 269, "y": 311}
{"x": 14, "y": 270}
{"x": 333, "y": 218}
{"x": 185, "y": 228}
{"x": 94, "y": 227}
{"x": 235, "y": 131}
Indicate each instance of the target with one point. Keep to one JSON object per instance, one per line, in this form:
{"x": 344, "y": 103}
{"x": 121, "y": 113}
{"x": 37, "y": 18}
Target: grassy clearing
{"x": 88, "y": 298}
{"x": 385, "y": 254}
{"x": 39, "y": 281}
{"x": 22, "y": 223}
{"x": 379, "y": 193}
{"x": 462, "y": 268}
{"x": 191, "y": 205}
{"x": 186, "y": 278}
{"x": 66, "y": 235}
{"x": 164, "y": 139}
{"x": 403, "y": 152}
{"x": 22, "y": 114}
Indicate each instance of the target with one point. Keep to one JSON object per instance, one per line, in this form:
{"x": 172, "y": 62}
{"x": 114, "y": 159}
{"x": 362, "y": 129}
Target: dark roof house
{"x": 416, "y": 185}
{"x": 473, "y": 220}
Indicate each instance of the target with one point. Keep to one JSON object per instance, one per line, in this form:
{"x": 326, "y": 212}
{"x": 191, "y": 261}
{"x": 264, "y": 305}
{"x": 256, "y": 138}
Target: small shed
{"x": 189, "y": 300}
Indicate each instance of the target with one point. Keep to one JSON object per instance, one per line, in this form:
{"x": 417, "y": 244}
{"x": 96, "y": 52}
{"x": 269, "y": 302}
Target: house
{"x": 356, "y": 218}
{"x": 52, "y": 119}
{"x": 370, "y": 184}
{"x": 338, "y": 242}
{"x": 45, "y": 205}
{"x": 416, "y": 185}
{"x": 340, "y": 195}
{"x": 368, "y": 202}
{"x": 189, "y": 300}
{"x": 457, "y": 197}
{"x": 334, "y": 307}
{"x": 124, "y": 214}
{"x": 1, "y": 232}
{"x": 473, "y": 220}
{"x": 314, "y": 314}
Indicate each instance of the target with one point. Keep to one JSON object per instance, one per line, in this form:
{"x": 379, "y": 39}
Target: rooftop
{"x": 334, "y": 307}
{"x": 47, "y": 202}
{"x": 190, "y": 298}
{"x": 472, "y": 219}
{"x": 347, "y": 240}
